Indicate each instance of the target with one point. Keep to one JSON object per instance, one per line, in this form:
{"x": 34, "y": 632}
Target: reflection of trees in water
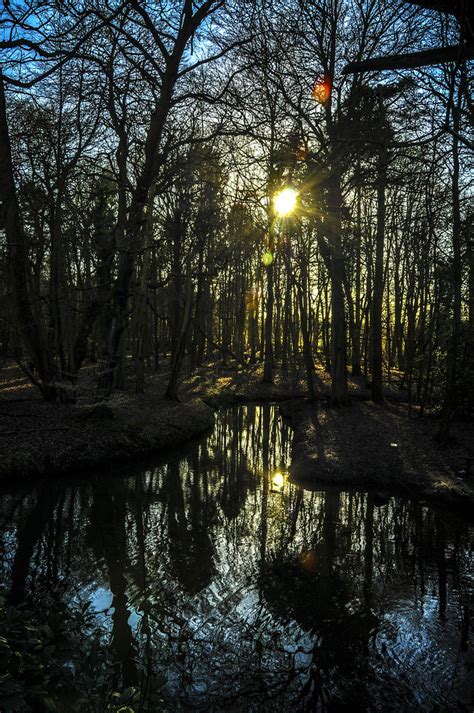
{"x": 107, "y": 523}
{"x": 234, "y": 586}
{"x": 315, "y": 588}
{"x": 30, "y": 533}
{"x": 191, "y": 516}
{"x": 43, "y": 540}
{"x": 234, "y": 465}
{"x": 357, "y": 562}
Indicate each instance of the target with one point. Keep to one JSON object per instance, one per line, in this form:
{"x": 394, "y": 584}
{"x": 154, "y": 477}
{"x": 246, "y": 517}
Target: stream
{"x": 205, "y": 580}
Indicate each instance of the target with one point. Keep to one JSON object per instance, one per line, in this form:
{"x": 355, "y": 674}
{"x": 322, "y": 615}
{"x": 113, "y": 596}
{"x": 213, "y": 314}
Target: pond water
{"x": 207, "y": 581}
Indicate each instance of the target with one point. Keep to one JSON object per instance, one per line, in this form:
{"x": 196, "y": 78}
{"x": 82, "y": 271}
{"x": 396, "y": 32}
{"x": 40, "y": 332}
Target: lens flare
{"x": 322, "y": 89}
{"x": 267, "y": 258}
{"x": 308, "y": 561}
{"x": 302, "y": 151}
{"x": 284, "y": 201}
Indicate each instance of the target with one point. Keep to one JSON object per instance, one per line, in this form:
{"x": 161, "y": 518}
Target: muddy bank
{"x": 379, "y": 446}
{"x": 37, "y": 438}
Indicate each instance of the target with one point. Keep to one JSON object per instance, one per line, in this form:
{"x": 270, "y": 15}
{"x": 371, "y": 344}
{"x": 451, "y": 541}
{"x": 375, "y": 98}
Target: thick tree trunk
{"x": 136, "y": 213}
{"x": 31, "y": 332}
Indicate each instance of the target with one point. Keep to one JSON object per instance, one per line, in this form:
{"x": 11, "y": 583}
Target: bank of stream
{"x": 205, "y": 579}
{"x": 364, "y": 445}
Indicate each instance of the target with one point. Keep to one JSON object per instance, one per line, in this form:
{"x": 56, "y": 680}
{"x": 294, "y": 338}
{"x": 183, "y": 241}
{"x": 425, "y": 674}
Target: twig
{"x": 35, "y": 430}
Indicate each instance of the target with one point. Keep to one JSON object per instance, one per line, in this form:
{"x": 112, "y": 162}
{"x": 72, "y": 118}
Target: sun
{"x": 284, "y": 201}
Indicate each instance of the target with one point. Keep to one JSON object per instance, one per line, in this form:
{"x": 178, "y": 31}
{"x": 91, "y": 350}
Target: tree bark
{"x": 269, "y": 269}
{"x": 172, "y": 388}
{"x": 30, "y": 328}
{"x": 338, "y": 320}
{"x": 377, "y": 297}
{"x": 450, "y": 397}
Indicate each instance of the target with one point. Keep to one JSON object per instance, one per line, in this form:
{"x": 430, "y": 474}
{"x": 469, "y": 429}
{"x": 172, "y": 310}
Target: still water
{"x": 207, "y": 581}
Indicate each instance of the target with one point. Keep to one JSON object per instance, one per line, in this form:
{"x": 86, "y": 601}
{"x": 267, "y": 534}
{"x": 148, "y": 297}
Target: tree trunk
{"x": 172, "y": 388}
{"x": 356, "y": 370}
{"x": 135, "y": 222}
{"x": 377, "y": 297}
{"x": 338, "y": 320}
{"x": 450, "y": 397}
{"x": 141, "y": 302}
{"x": 31, "y": 332}
{"x": 268, "y": 358}
{"x": 308, "y": 357}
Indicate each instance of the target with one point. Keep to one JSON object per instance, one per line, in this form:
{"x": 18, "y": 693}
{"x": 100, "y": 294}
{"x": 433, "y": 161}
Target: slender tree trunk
{"x": 470, "y": 257}
{"x": 377, "y": 297}
{"x": 287, "y": 312}
{"x": 308, "y": 357}
{"x": 178, "y": 356}
{"x": 356, "y": 370}
{"x": 450, "y": 397}
{"x": 338, "y": 320}
{"x": 268, "y": 358}
{"x": 141, "y": 302}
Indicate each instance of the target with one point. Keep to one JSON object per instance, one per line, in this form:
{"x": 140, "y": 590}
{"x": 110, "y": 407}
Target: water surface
{"x": 206, "y": 581}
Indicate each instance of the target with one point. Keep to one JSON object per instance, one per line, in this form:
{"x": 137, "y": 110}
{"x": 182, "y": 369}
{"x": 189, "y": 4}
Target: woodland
{"x": 281, "y": 190}
{"x": 236, "y": 355}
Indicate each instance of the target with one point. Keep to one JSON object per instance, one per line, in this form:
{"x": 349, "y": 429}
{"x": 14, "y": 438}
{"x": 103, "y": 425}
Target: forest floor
{"x": 383, "y": 446}
{"x": 38, "y": 438}
{"x": 380, "y": 447}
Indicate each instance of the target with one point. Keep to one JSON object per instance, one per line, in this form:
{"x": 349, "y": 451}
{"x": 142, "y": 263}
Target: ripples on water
{"x": 208, "y": 581}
